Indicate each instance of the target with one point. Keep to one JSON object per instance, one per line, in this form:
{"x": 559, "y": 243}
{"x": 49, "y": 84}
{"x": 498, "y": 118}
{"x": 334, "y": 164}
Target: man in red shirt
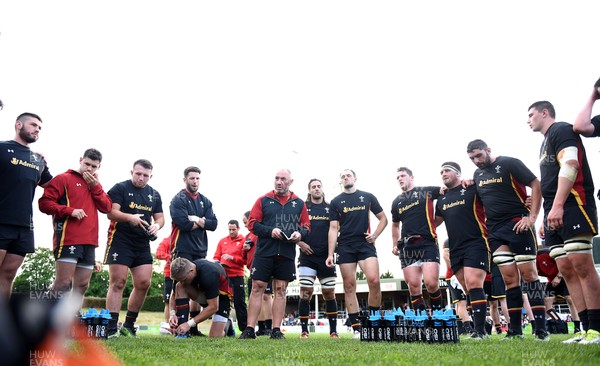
{"x": 163, "y": 252}
{"x": 230, "y": 254}
{"x": 73, "y": 199}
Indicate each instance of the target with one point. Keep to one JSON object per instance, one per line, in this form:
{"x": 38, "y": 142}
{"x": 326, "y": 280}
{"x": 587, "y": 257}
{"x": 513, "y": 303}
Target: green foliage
{"x": 387, "y": 274}
{"x": 36, "y": 273}
{"x": 360, "y": 275}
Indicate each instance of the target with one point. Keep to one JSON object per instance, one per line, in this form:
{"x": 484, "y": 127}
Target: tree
{"x": 387, "y": 274}
{"x": 37, "y": 272}
{"x": 360, "y": 275}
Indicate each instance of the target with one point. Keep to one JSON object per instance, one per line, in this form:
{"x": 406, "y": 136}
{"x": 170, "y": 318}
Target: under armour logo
{"x": 342, "y": 202}
{"x": 10, "y": 150}
{"x": 578, "y": 226}
{"x": 78, "y": 184}
{"x": 72, "y": 249}
{"x": 527, "y": 248}
{"x": 481, "y": 264}
{"x": 271, "y": 202}
{"x": 130, "y": 194}
{"x": 253, "y": 270}
{"x": 115, "y": 257}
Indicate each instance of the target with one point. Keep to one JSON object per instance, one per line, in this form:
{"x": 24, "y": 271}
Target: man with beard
{"x": 311, "y": 263}
{"x": 22, "y": 171}
{"x": 501, "y": 183}
{"x": 349, "y": 229}
{"x": 135, "y": 218}
{"x": 192, "y": 216}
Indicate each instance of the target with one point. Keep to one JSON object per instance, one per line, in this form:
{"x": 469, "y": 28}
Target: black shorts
{"x": 224, "y": 306}
{"x": 16, "y": 239}
{"x": 560, "y": 291}
{"x": 473, "y": 256}
{"x": 577, "y": 221}
{"x": 168, "y": 289}
{"x": 127, "y": 256}
{"x": 354, "y": 252}
{"x": 456, "y": 294}
{"x": 318, "y": 264}
{"x": 278, "y": 268}
{"x": 424, "y": 251}
{"x": 495, "y": 288}
{"x": 189, "y": 256}
{"x": 268, "y": 289}
{"x": 84, "y": 255}
{"x": 520, "y": 244}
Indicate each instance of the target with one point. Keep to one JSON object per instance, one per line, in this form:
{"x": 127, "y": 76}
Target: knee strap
{"x": 503, "y": 258}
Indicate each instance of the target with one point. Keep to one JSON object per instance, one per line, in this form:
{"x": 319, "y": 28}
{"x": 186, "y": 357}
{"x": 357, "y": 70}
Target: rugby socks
{"x": 417, "y": 302}
{"x": 354, "y": 321}
{"x": 113, "y": 321}
{"x": 479, "y": 308}
{"x": 268, "y": 324}
{"x": 374, "y": 310}
{"x": 331, "y": 310}
{"x": 583, "y": 318}
{"x": 576, "y": 326}
{"x": 593, "y": 319}
{"x": 261, "y": 325}
{"x": 130, "y": 319}
{"x": 514, "y": 302}
{"x": 304, "y": 312}
{"x": 498, "y": 328}
{"x": 535, "y": 292}
{"x": 194, "y": 330}
{"x": 436, "y": 300}
{"x": 182, "y": 309}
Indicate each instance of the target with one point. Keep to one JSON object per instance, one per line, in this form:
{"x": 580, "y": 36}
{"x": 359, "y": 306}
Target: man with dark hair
{"x": 570, "y": 216}
{"x": 135, "y": 218}
{"x": 350, "y": 231}
{"x": 204, "y": 282}
{"x": 22, "y": 171}
{"x": 73, "y": 199}
{"x": 279, "y": 219}
{"x": 462, "y": 212}
{"x": 229, "y": 253}
{"x": 502, "y": 185}
{"x": 584, "y": 123}
{"x": 192, "y": 216}
{"x": 417, "y": 241}
{"x": 311, "y": 263}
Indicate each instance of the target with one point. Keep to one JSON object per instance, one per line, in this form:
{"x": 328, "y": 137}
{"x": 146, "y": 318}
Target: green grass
{"x": 151, "y": 349}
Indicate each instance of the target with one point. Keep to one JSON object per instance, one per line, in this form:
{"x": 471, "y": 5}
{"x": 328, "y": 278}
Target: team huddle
{"x": 490, "y": 220}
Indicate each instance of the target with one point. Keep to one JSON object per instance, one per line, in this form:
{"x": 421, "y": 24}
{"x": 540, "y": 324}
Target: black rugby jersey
{"x": 502, "y": 188}
{"x": 21, "y": 171}
{"x": 415, "y": 210}
{"x": 351, "y": 210}
{"x": 559, "y": 136}
{"x": 318, "y": 213}
{"x": 133, "y": 200}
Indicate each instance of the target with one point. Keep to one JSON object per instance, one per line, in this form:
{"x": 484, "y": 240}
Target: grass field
{"x": 153, "y": 349}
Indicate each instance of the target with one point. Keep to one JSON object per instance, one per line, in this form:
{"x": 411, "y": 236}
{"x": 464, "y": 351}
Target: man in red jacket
{"x": 230, "y": 254}
{"x": 74, "y": 198}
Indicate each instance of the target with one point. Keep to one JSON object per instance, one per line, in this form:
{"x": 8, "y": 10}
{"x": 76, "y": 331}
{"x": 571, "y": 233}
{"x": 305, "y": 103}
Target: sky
{"x": 244, "y": 88}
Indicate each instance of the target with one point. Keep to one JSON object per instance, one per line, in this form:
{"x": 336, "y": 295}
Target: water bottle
{"x": 389, "y": 326}
{"x": 104, "y": 319}
{"x": 410, "y": 332}
{"x": 399, "y": 329}
{"x": 375, "y": 329}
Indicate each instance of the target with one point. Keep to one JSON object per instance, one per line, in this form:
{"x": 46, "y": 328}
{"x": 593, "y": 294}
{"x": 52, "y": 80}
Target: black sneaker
{"x": 112, "y": 333}
{"x": 276, "y": 334}
{"x": 542, "y": 335}
{"x": 478, "y": 336}
{"x": 247, "y": 334}
{"x": 128, "y": 331}
{"x": 510, "y": 336}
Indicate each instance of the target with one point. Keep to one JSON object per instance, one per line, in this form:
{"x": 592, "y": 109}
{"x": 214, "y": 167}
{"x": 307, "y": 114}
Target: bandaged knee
{"x": 504, "y": 258}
